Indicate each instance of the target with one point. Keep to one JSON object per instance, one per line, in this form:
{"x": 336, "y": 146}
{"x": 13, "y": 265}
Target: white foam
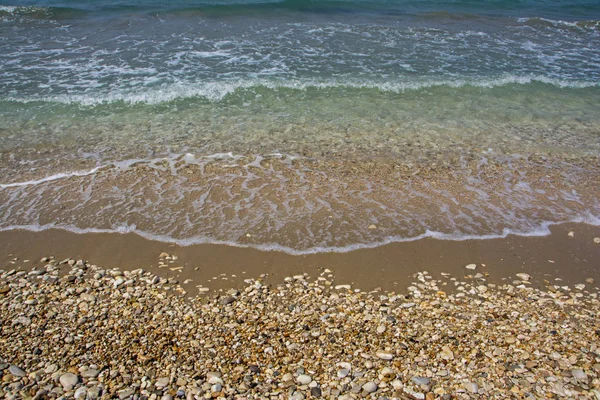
{"x": 50, "y": 178}
{"x": 217, "y": 90}
{"x": 542, "y": 229}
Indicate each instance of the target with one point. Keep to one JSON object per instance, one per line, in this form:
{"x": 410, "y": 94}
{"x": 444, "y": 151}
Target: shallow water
{"x": 297, "y": 125}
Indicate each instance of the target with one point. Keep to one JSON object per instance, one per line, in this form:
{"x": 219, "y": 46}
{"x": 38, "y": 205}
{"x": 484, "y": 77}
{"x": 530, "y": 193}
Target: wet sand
{"x": 572, "y": 259}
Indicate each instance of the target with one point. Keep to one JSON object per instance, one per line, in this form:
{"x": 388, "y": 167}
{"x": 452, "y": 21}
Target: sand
{"x": 571, "y": 259}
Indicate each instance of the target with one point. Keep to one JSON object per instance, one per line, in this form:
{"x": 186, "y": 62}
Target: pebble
{"x": 68, "y": 380}
{"x": 384, "y": 355}
{"x": 342, "y": 373}
{"x": 579, "y": 374}
{"x": 162, "y": 382}
{"x": 89, "y": 373}
{"x": 472, "y": 387}
{"x": 369, "y": 387}
{"x": 471, "y": 266}
{"x": 81, "y": 393}
{"x": 304, "y": 379}
{"x": 421, "y": 380}
{"x": 597, "y": 240}
{"x": 446, "y": 353}
{"x": 16, "y": 371}
{"x": 524, "y": 277}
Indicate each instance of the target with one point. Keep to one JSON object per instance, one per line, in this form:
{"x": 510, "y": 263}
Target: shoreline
{"x": 391, "y": 267}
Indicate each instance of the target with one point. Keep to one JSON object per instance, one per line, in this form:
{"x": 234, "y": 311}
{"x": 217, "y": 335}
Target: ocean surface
{"x": 299, "y": 125}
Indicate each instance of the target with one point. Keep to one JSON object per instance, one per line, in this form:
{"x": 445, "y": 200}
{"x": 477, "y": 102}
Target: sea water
{"x": 299, "y": 125}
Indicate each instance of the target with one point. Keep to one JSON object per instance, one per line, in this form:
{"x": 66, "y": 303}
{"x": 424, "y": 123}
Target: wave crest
{"x": 219, "y": 90}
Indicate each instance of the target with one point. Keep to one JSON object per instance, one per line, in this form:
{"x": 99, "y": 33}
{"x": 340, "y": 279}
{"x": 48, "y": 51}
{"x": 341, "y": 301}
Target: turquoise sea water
{"x": 93, "y": 86}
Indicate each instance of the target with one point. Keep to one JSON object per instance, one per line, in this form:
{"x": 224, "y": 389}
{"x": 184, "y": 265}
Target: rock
{"x": 340, "y": 287}
{"x": 4, "y": 289}
{"x": 118, "y": 282}
{"x": 68, "y": 380}
{"x": 162, "y": 382}
{"x": 579, "y": 374}
{"x": 370, "y": 387}
{"x": 482, "y": 288}
{"x": 523, "y": 277}
{"x": 125, "y": 393}
{"x": 471, "y": 266}
{"x": 89, "y": 373}
{"x": 93, "y": 393}
{"x": 388, "y": 374}
{"x": 16, "y": 371}
{"x": 446, "y": 353}
{"x": 304, "y": 379}
{"x": 571, "y": 234}
{"x": 597, "y": 240}
{"x": 81, "y": 393}
{"x": 372, "y": 226}
{"x": 216, "y": 388}
{"x": 227, "y": 300}
{"x": 421, "y": 380}
{"x": 316, "y": 392}
{"x": 384, "y": 355}
{"x": 471, "y": 387}
{"x": 510, "y": 339}
{"x": 590, "y": 281}
{"x": 342, "y": 373}
{"x": 381, "y": 329}
{"x": 213, "y": 380}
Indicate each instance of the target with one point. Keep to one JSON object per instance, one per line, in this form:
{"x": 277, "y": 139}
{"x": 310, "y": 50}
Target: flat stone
{"x": 471, "y": 387}
{"x": 524, "y": 277}
{"x": 125, "y": 393}
{"x": 446, "y": 353}
{"x": 213, "y": 380}
{"x": 579, "y": 374}
{"x": 90, "y": 373}
{"x": 370, "y": 387}
{"x": 16, "y": 371}
{"x": 384, "y": 355}
{"x": 304, "y": 379}
{"x": 81, "y": 393}
{"x": 68, "y": 380}
{"x": 340, "y": 287}
{"x": 471, "y": 266}
{"x": 227, "y": 300}
{"x": 162, "y": 382}
{"x": 93, "y": 393}
{"x": 118, "y": 282}
{"x": 342, "y": 373}
{"x": 421, "y": 380}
